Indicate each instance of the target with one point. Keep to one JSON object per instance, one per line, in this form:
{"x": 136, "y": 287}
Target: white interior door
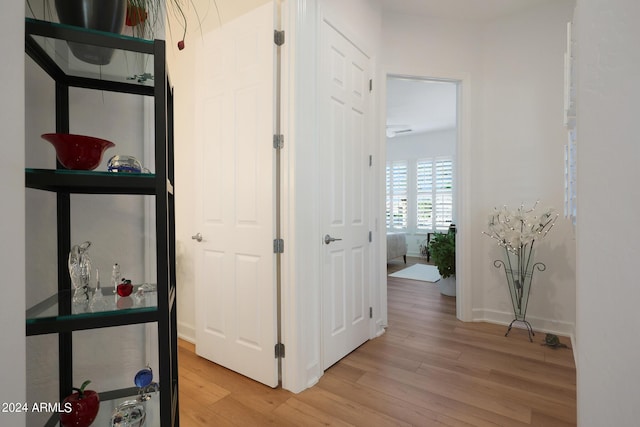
{"x": 344, "y": 97}
{"x": 235, "y": 214}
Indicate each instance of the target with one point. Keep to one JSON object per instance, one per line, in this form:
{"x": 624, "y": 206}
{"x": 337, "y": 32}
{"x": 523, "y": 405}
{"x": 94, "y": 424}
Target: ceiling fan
{"x": 394, "y": 130}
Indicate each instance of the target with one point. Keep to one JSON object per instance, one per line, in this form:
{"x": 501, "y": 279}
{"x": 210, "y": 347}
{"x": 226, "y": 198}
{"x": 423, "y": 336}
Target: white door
{"x": 344, "y": 119}
{"x": 235, "y": 214}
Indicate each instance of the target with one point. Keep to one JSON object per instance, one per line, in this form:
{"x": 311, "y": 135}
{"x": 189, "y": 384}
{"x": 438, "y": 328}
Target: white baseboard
{"x": 380, "y": 329}
{"x": 565, "y": 329}
{"x": 187, "y": 332}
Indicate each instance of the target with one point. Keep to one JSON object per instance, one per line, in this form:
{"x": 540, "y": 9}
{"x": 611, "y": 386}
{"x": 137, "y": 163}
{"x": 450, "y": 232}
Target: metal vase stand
{"x": 519, "y": 274}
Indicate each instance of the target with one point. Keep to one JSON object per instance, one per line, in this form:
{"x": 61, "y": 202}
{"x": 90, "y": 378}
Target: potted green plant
{"x": 442, "y": 248}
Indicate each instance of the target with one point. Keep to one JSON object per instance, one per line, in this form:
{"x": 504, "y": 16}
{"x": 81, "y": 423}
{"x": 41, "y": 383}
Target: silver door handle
{"x": 197, "y": 237}
{"x": 328, "y": 239}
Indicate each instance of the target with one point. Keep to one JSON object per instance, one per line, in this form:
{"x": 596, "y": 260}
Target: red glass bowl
{"x": 78, "y": 152}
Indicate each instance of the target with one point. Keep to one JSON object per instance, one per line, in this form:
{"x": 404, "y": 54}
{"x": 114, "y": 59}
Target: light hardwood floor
{"x": 428, "y": 369}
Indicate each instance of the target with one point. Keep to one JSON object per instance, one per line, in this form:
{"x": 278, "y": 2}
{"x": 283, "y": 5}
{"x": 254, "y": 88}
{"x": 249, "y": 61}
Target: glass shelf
{"x": 72, "y": 172}
{"x": 136, "y": 67}
{"x": 132, "y": 60}
{"x": 111, "y": 399}
{"x": 81, "y": 181}
{"x": 59, "y": 312}
{"x": 108, "y": 303}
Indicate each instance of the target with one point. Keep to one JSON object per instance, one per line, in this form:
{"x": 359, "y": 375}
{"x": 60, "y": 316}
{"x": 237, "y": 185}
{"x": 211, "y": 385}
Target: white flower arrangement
{"x": 514, "y": 230}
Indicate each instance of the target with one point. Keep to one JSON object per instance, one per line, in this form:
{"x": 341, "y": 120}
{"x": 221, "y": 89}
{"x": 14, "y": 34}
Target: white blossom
{"x": 517, "y": 229}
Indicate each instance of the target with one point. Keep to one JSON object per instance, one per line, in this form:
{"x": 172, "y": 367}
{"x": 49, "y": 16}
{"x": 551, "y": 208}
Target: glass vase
{"x": 130, "y": 413}
{"x": 519, "y": 267}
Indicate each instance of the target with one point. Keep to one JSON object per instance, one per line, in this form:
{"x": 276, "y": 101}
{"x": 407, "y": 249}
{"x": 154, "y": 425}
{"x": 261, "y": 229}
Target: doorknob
{"x": 328, "y": 239}
{"x": 197, "y": 237}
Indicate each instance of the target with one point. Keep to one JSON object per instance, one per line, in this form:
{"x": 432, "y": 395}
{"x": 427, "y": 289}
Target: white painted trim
{"x": 539, "y": 324}
{"x": 301, "y": 367}
{"x": 290, "y": 321}
{"x": 464, "y": 296}
{"x": 378, "y": 290}
{"x": 380, "y": 227}
{"x": 463, "y": 179}
{"x": 187, "y": 332}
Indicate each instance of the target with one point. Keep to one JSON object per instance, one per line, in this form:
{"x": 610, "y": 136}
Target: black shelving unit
{"x": 45, "y": 43}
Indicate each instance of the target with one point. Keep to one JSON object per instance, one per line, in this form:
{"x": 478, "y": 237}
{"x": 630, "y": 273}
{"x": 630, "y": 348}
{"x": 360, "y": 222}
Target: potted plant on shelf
{"x": 442, "y": 248}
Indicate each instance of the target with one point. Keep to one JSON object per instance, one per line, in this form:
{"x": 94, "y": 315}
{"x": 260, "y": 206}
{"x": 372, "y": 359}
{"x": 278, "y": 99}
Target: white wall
{"x": 521, "y": 159}
{"x": 514, "y": 69}
{"x": 427, "y": 144}
{"x": 608, "y": 239}
{"x": 12, "y": 226}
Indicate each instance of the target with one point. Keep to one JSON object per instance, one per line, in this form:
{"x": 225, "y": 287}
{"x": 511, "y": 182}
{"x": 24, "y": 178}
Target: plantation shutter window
{"x": 424, "y": 196}
{"x": 397, "y": 206}
{"x": 434, "y": 194}
{"x": 444, "y": 194}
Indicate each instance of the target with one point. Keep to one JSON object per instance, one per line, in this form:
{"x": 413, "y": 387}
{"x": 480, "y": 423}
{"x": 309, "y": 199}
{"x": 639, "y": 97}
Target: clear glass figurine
{"x": 98, "y": 301}
{"x": 80, "y": 272}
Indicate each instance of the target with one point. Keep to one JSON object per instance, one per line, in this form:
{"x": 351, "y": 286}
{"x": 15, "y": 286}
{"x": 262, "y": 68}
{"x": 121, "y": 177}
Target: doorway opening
{"x": 422, "y": 134}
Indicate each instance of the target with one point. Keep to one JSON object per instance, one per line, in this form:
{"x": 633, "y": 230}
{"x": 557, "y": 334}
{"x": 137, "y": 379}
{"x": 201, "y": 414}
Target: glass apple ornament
{"x": 80, "y": 408}
{"x": 125, "y": 288}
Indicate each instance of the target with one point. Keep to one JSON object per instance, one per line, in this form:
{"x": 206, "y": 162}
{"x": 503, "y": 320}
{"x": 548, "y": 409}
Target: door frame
{"x": 301, "y": 227}
{"x": 463, "y": 180}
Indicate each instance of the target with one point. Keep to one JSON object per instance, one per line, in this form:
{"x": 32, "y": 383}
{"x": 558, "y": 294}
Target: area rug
{"x": 422, "y": 272}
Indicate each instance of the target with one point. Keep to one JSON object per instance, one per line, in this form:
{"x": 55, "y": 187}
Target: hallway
{"x": 427, "y": 369}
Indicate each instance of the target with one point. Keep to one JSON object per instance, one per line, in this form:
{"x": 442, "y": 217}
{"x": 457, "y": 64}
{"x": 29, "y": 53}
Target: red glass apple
{"x": 80, "y": 408}
{"x": 125, "y": 288}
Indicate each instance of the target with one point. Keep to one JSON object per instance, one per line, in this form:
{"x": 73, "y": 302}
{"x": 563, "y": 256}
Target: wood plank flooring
{"x": 428, "y": 369}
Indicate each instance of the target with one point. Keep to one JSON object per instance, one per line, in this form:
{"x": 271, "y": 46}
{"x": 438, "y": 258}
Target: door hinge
{"x": 279, "y": 351}
{"x": 370, "y": 237}
{"x": 278, "y": 141}
{"x": 278, "y": 246}
{"x": 370, "y": 312}
{"x": 370, "y": 160}
{"x": 370, "y": 85}
{"x": 278, "y": 37}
